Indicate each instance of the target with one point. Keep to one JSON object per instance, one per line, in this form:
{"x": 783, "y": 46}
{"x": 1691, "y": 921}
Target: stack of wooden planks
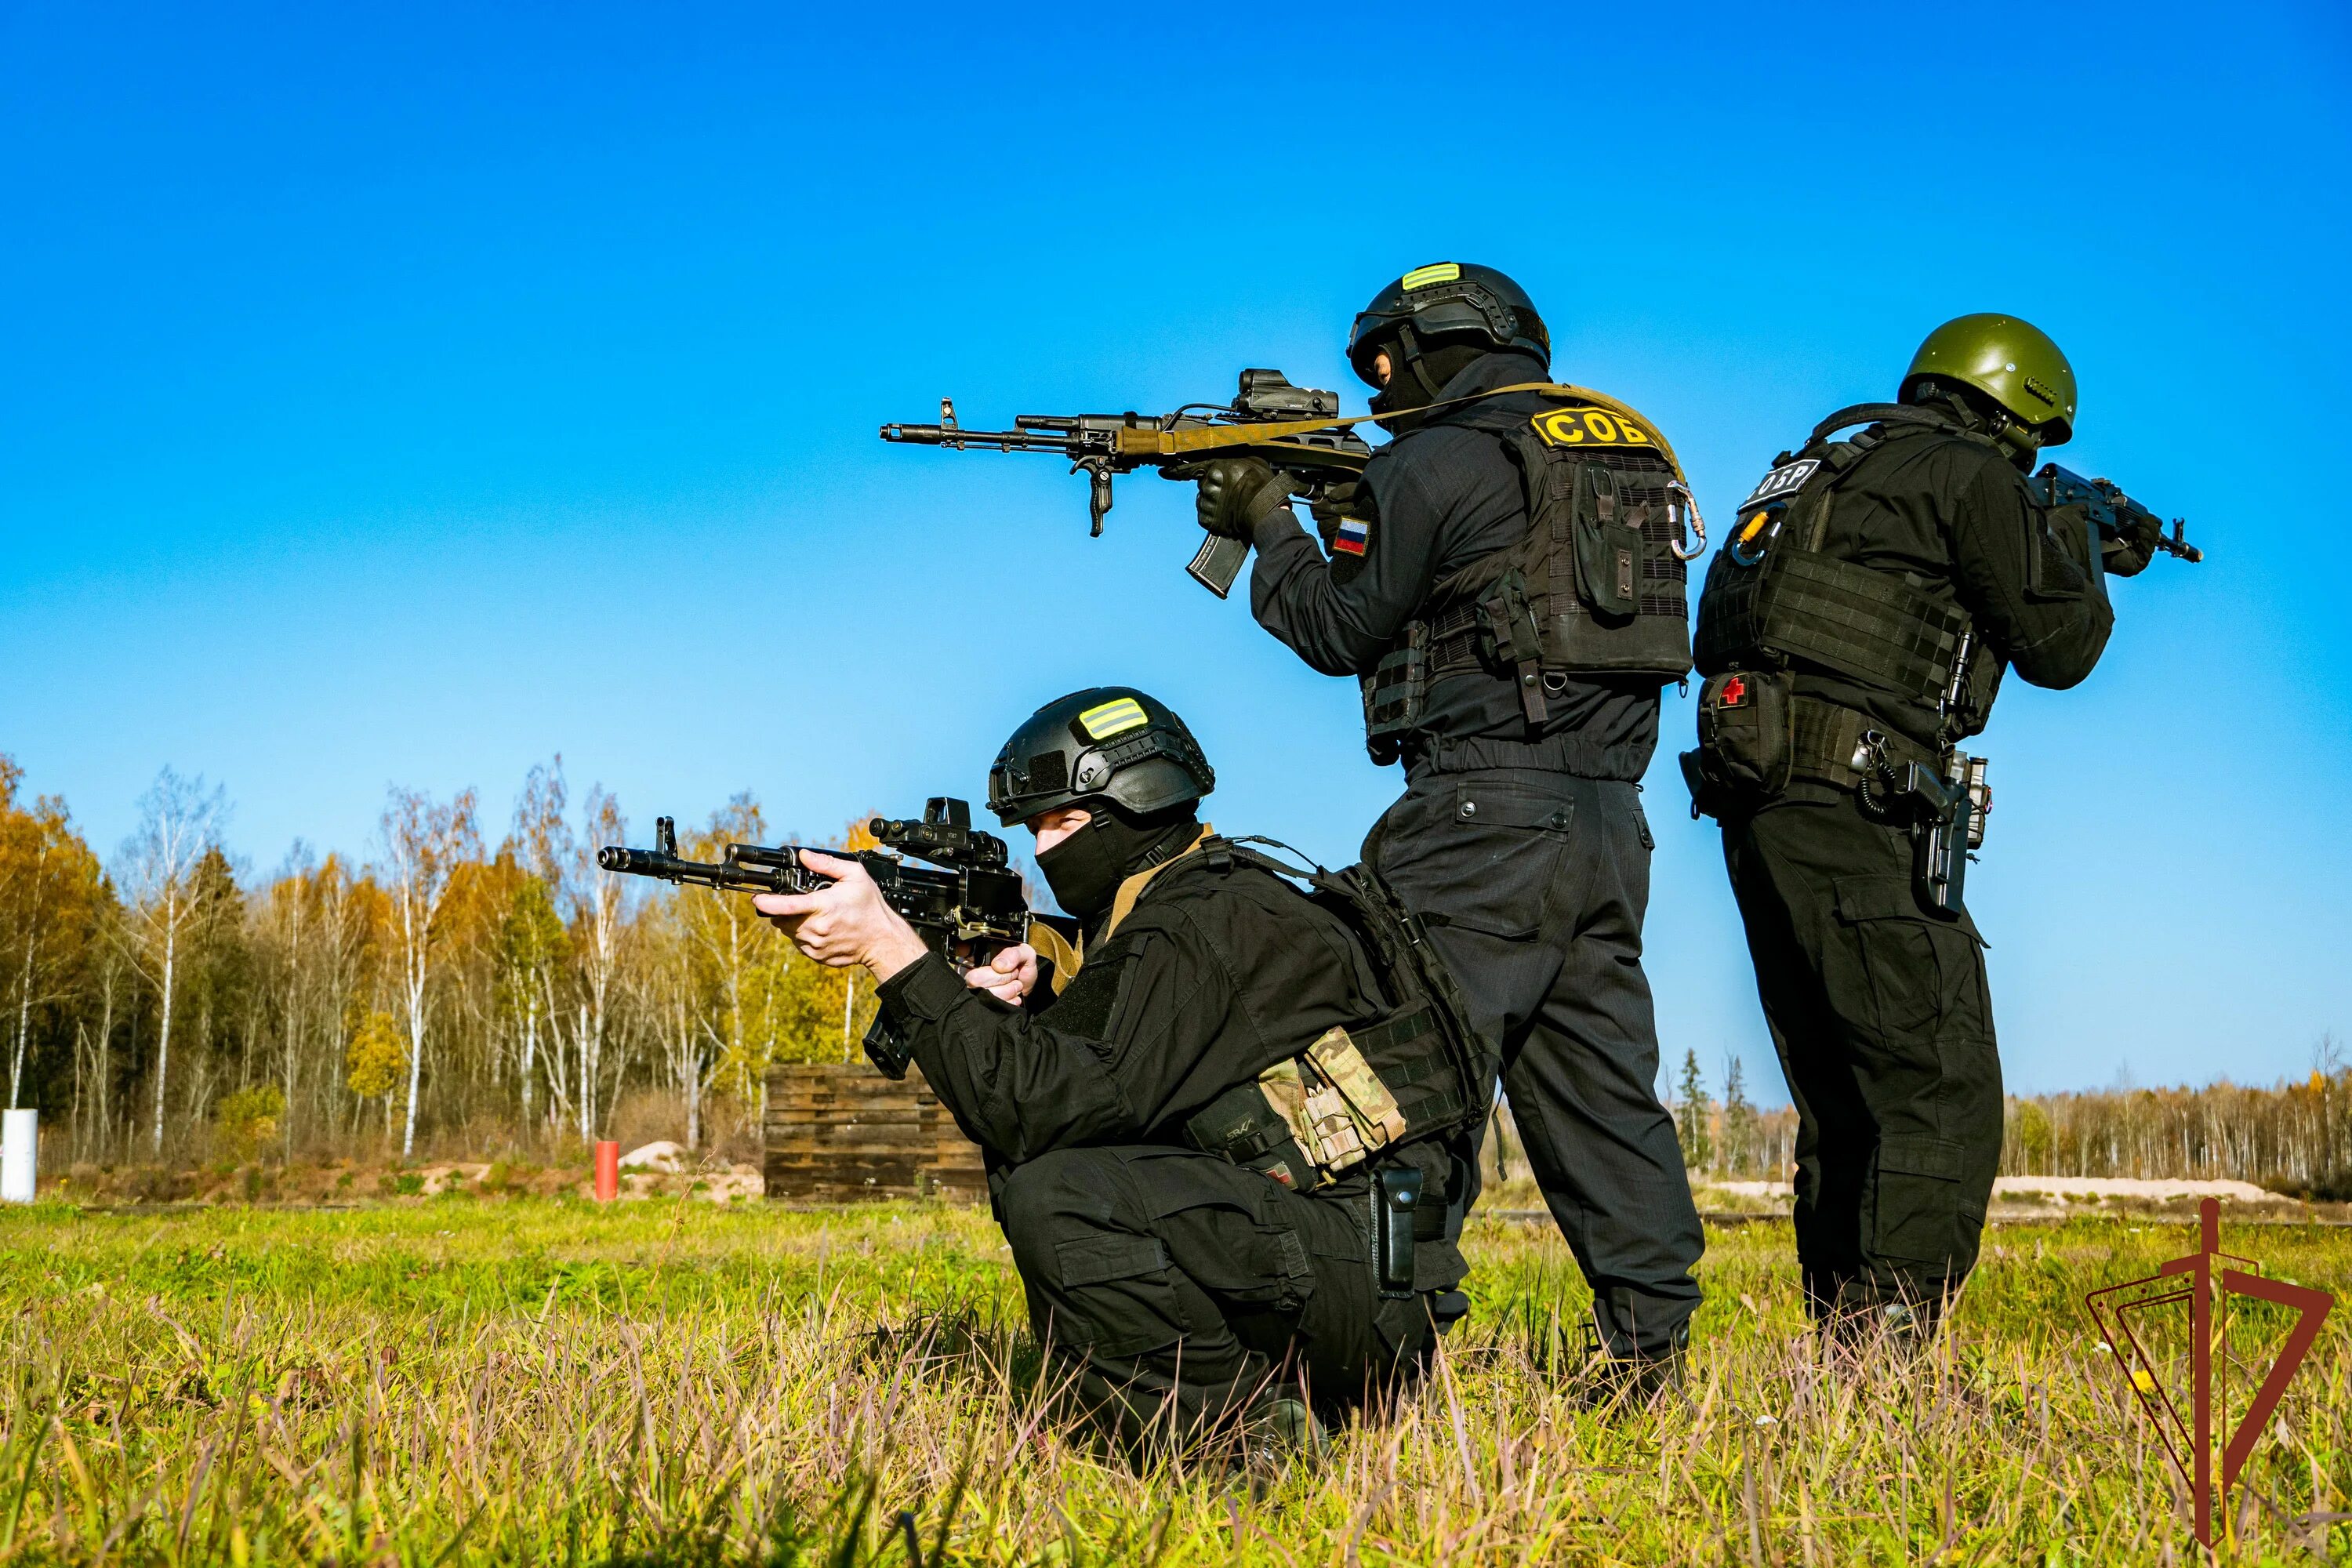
{"x": 840, "y": 1132}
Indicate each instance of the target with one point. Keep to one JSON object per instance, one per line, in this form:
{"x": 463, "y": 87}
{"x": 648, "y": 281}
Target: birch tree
{"x": 533, "y": 938}
{"x": 179, "y": 822}
{"x": 49, "y": 895}
{"x": 597, "y": 912}
{"x": 423, "y": 846}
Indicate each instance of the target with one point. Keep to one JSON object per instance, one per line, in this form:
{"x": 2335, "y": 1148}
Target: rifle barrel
{"x": 725, "y": 876}
{"x": 955, "y": 435}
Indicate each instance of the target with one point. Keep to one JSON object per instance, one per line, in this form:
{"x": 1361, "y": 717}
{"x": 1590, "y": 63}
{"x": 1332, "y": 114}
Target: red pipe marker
{"x": 608, "y": 1170}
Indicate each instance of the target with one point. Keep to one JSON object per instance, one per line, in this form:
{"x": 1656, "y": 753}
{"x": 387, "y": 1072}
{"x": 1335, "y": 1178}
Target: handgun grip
{"x": 1217, "y": 562}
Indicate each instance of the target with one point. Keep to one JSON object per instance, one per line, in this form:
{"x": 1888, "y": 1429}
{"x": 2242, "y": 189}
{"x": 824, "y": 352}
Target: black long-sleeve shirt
{"x": 1444, "y": 496}
{"x": 1955, "y": 519}
{"x": 1218, "y": 974}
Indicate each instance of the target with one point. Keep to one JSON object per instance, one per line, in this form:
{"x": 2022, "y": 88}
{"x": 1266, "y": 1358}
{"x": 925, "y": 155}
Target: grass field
{"x": 543, "y": 1382}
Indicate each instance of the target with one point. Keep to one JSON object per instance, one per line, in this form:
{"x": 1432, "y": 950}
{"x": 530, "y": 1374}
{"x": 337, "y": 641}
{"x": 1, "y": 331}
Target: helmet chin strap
{"x": 2017, "y": 439}
{"x": 1413, "y": 362}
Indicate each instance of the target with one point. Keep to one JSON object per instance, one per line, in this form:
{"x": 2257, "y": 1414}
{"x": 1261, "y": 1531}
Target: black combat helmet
{"x": 1450, "y": 301}
{"x": 1107, "y": 743}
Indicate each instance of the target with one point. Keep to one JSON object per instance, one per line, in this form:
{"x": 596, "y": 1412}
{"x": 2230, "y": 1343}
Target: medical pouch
{"x": 1746, "y": 732}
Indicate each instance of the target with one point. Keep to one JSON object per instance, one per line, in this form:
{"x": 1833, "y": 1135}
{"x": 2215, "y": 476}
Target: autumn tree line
{"x": 2293, "y": 1136}
{"x": 469, "y": 985}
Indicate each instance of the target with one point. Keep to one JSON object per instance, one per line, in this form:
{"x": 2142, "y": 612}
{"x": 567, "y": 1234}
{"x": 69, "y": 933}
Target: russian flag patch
{"x": 1354, "y": 533}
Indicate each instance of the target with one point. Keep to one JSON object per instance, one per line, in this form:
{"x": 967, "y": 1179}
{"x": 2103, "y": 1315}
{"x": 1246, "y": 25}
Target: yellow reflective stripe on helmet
{"x": 1423, "y": 276}
{"x": 1113, "y": 719}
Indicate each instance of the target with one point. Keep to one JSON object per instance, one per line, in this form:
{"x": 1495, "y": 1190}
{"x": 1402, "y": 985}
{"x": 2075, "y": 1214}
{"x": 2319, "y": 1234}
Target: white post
{"x": 20, "y": 1143}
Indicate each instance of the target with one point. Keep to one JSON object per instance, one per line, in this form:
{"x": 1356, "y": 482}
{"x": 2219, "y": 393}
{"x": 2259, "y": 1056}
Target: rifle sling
{"x": 1146, "y": 442}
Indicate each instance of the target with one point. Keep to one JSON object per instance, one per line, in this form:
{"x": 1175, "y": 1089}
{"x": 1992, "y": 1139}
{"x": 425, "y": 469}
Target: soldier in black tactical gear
{"x": 1507, "y": 584}
{"x": 1853, "y": 630}
{"x": 1229, "y": 1133}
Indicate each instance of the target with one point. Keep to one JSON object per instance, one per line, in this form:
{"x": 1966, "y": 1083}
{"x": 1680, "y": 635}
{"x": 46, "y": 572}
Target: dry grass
{"x": 537, "y": 1381}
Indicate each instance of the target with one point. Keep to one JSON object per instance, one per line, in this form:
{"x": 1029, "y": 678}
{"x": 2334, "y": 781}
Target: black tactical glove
{"x": 1349, "y": 497}
{"x": 1236, "y": 493}
{"x": 2128, "y": 555}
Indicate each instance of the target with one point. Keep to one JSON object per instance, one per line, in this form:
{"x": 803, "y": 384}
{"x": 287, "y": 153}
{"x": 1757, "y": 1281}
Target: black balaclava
{"x": 2019, "y": 441}
{"x": 1416, "y": 380}
{"x": 1084, "y": 869}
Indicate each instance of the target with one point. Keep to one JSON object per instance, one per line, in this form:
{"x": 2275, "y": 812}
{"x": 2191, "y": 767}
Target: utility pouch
{"x": 1607, "y": 546}
{"x": 1516, "y": 638}
{"x": 1254, "y": 1124}
{"x": 1395, "y": 692}
{"x": 1707, "y": 797}
{"x": 1746, "y": 732}
{"x": 1396, "y": 1200}
{"x": 1970, "y": 771}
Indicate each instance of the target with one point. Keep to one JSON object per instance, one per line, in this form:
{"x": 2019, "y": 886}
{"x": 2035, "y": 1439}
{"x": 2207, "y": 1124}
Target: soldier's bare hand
{"x": 1009, "y": 977}
{"x": 844, "y": 924}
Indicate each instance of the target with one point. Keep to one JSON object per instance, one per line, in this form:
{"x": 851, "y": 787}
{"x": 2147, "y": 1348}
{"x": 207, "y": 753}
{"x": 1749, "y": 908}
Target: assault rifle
{"x": 1288, "y": 427}
{"x": 967, "y": 910}
{"x": 2120, "y": 519}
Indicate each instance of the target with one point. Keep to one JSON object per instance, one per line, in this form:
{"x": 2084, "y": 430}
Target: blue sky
{"x": 402, "y": 395}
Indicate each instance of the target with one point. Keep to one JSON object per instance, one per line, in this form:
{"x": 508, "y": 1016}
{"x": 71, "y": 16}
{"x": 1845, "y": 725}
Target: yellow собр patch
{"x": 1443, "y": 272}
{"x": 1589, "y": 428}
{"x": 1113, "y": 719}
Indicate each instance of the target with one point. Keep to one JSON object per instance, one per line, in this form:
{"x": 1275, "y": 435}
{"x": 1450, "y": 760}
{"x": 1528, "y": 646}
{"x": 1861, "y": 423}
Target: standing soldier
{"x": 1853, "y": 630}
{"x": 1507, "y": 583}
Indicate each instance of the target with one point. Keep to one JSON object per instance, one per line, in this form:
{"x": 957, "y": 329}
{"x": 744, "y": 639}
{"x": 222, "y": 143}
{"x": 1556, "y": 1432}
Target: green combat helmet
{"x": 2011, "y": 362}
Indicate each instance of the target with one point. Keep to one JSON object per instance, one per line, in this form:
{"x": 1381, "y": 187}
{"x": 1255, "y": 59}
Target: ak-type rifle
{"x": 2118, "y": 519}
{"x": 1290, "y": 427}
{"x": 967, "y": 904}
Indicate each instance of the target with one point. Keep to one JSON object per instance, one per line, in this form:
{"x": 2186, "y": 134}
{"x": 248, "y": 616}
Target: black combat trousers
{"x": 1533, "y": 885}
{"x": 1883, "y": 1025}
{"x": 1184, "y": 1290}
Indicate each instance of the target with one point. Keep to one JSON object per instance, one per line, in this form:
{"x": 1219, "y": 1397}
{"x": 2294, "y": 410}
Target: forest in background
{"x": 462, "y": 989}
{"x": 467, "y": 990}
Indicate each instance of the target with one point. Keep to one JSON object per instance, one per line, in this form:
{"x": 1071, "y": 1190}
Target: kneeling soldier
{"x": 1230, "y": 1145}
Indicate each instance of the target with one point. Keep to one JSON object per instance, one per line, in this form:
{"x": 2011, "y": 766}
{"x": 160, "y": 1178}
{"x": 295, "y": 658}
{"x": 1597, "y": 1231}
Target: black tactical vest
{"x": 1774, "y": 600}
{"x": 1418, "y": 1072}
{"x": 1598, "y": 585}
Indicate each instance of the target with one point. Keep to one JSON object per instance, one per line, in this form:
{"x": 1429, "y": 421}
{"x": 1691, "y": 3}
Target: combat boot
{"x": 1615, "y": 1383}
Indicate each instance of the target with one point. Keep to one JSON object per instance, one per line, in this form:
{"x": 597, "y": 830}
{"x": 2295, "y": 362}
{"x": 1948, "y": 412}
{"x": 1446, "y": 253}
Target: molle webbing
{"x": 1397, "y": 686}
{"x": 1417, "y": 1070}
{"x": 1344, "y": 1100}
{"x": 1415, "y": 1067}
{"x": 1827, "y": 738}
{"x": 1596, "y": 585}
{"x": 1848, "y": 619}
{"x": 1461, "y": 637}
